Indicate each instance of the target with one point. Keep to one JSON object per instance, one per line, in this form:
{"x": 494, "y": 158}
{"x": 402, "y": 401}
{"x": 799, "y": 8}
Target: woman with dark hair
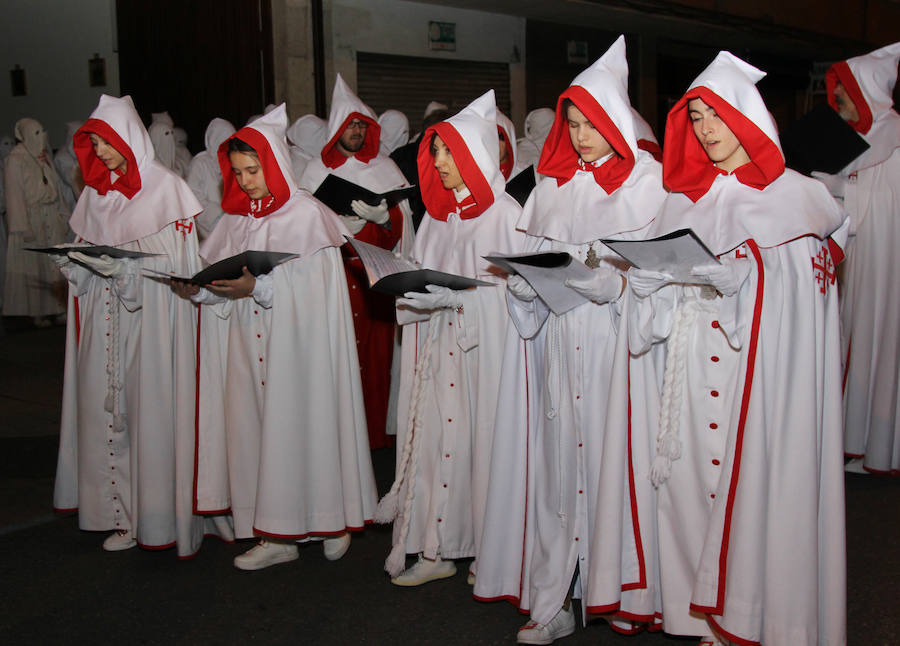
{"x": 281, "y": 435}
{"x": 452, "y": 350}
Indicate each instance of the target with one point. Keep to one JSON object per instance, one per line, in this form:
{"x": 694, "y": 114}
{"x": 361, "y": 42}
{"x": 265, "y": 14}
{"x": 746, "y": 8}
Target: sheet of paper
{"x": 392, "y": 275}
{"x": 547, "y": 273}
{"x": 675, "y": 253}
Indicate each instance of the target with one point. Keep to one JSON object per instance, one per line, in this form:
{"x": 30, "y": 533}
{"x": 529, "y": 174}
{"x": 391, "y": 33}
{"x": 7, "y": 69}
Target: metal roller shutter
{"x": 410, "y": 83}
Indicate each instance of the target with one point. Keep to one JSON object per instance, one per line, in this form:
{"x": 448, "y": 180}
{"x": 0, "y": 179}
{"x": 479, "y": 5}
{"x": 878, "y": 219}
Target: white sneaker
{"x": 118, "y": 541}
{"x": 266, "y": 553}
{"x": 425, "y": 570}
{"x": 336, "y": 547}
{"x": 562, "y": 625}
{"x": 855, "y": 465}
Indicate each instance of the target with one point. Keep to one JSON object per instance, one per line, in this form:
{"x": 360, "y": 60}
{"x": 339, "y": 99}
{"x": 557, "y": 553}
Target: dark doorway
{"x": 197, "y": 59}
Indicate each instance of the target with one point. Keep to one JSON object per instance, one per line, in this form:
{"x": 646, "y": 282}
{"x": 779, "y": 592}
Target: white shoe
{"x": 118, "y": 541}
{"x": 562, "y": 625}
{"x": 266, "y": 553}
{"x": 336, "y": 547}
{"x": 855, "y": 465}
{"x": 425, "y": 570}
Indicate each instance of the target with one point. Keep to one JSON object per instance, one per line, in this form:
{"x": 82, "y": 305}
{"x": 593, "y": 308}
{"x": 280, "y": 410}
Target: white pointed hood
{"x": 581, "y": 202}
{"x": 32, "y": 135}
{"x": 163, "y": 143}
{"x": 288, "y": 220}
{"x": 471, "y": 136}
{"x": 308, "y": 133}
{"x": 869, "y": 81}
{"x": 217, "y": 131}
{"x": 394, "y": 130}
{"x": 115, "y": 209}
{"x": 345, "y": 107}
{"x": 759, "y": 200}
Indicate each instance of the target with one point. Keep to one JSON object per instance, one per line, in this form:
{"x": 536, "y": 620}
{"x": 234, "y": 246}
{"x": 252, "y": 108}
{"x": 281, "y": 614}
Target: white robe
{"x": 282, "y": 437}
{"x": 870, "y": 317}
{"x": 459, "y": 394}
{"x": 36, "y": 217}
{"x": 128, "y": 464}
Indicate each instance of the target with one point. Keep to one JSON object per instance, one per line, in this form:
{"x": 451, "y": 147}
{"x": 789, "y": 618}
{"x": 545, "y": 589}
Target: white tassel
{"x": 108, "y": 401}
{"x": 388, "y": 508}
{"x": 395, "y": 563}
{"x": 120, "y": 423}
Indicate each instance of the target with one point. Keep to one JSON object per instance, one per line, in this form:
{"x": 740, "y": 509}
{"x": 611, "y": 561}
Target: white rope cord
{"x": 388, "y": 508}
{"x": 668, "y": 441}
{"x": 111, "y": 403}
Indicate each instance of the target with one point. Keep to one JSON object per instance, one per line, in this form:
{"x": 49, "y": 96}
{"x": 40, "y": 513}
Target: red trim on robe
{"x": 157, "y": 548}
{"x": 197, "y": 414}
{"x": 730, "y": 637}
{"x": 742, "y": 421}
{"x": 93, "y": 171}
{"x": 234, "y": 199}
{"x": 506, "y": 168}
{"x": 440, "y": 202}
{"x": 840, "y": 72}
{"x": 77, "y": 314}
{"x": 686, "y": 166}
{"x": 641, "y": 583}
{"x": 334, "y": 158}
{"x": 298, "y": 537}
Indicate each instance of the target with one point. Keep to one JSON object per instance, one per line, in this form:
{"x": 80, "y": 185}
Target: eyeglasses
{"x": 356, "y": 124}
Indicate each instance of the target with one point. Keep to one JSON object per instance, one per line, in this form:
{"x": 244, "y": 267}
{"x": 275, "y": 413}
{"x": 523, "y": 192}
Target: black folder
{"x": 231, "y": 268}
{"x": 521, "y": 185}
{"x": 821, "y": 141}
{"x": 337, "y": 193}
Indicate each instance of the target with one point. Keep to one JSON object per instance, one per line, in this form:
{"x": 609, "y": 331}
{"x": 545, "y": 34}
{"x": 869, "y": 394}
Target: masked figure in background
{"x": 205, "y": 177}
{"x": 36, "y": 216}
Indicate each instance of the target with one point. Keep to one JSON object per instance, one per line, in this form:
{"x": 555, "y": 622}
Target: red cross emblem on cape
{"x": 823, "y": 270}
{"x": 185, "y": 226}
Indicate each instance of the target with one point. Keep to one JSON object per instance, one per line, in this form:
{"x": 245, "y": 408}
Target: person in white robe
{"x": 36, "y": 216}
{"x": 183, "y": 155}
{"x": 163, "y": 143}
{"x": 281, "y": 431}
{"x": 558, "y": 464}
{"x": 537, "y": 126}
{"x": 306, "y": 137}
{"x": 126, "y": 449}
{"x": 394, "y": 131}
{"x": 66, "y": 165}
{"x": 861, "y": 90}
{"x": 205, "y": 177}
{"x": 351, "y": 152}
{"x": 452, "y": 349}
{"x": 748, "y": 462}
{"x": 6, "y": 145}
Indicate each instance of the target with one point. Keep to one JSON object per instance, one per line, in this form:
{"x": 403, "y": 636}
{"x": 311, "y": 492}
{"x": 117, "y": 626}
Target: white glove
{"x": 436, "y": 298}
{"x": 603, "y": 286}
{"x": 353, "y": 223}
{"x": 377, "y": 214}
{"x": 520, "y": 288}
{"x": 60, "y": 259}
{"x": 104, "y": 265}
{"x": 644, "y": 282}
{"x": 727, "y": 276}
